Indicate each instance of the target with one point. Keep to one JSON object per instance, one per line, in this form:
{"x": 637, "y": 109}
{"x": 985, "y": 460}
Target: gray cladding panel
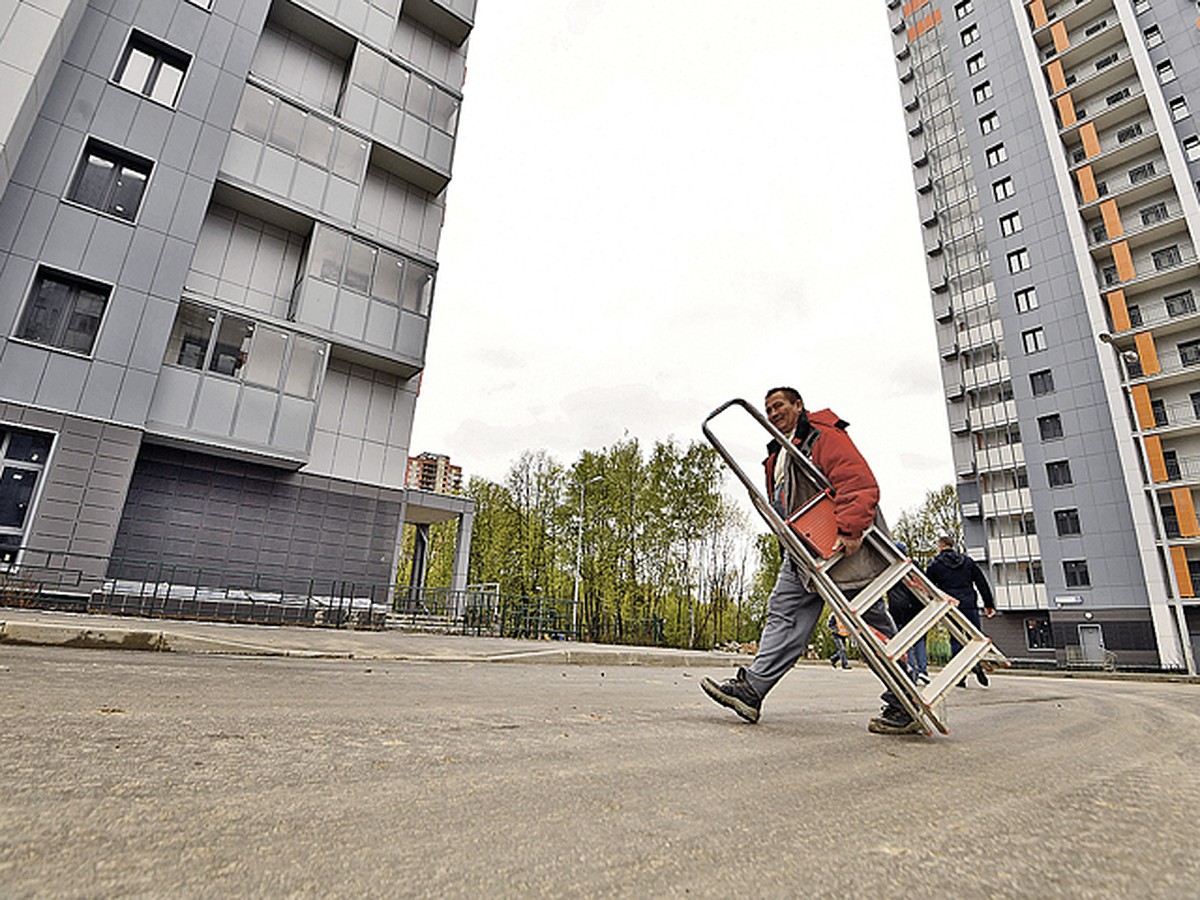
{"x": 283, "y": 525}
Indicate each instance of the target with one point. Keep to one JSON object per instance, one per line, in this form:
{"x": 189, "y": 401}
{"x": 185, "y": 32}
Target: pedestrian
{"x": 960, "y": 577}
{"x": 840, "y": 634}
{"x": 904, "y": 606}
{"x": 794, "y": 608}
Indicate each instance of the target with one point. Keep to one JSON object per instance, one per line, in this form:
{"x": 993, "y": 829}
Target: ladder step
{"x": 915, "y": 630}
{"x": 869, "y": 596}
{"x": 956, "y": 669}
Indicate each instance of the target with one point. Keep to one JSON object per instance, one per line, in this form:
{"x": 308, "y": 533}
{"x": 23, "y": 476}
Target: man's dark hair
{"x": 946, "y": 541}
{"x": 791, "y": 393}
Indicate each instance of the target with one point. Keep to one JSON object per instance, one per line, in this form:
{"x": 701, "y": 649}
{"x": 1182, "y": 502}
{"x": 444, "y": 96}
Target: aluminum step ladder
{"x": 808, "y": 536}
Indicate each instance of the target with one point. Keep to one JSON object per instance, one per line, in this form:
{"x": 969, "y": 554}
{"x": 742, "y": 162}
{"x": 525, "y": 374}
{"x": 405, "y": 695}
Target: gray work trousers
{"x": 793, "y": 611}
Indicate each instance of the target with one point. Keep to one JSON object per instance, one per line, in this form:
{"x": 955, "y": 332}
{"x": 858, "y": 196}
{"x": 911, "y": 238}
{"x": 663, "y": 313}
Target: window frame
{"x": 1067, "y": 523}
{"x": 1003, "y": 189}
{"x": 996, "y": 154}
{"x": 1033, "y": 340}
{"x": 1075, "y": 573}
{"x": 1010, "y": 223}
{"x": 1018, "y": 260}
{"x": 76, "y": 283}
{"x": 1041, "y": 382}
{"x": 1050, "y": 427}
{"x": 1025, "y": 299}
{"x": 121, "y": 160}
{"x": 1058, "y": 473}
{"x": 976, "y": 63}
{"x": 161, "y": 55}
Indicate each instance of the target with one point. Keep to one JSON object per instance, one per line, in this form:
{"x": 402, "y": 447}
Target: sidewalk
{"x": 61, "y": 629}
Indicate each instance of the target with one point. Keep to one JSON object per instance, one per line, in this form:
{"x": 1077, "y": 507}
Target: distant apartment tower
{"x": 1056, "y": 160}
{"x": 433, "y": 472}
{"x": 219, "y": 224}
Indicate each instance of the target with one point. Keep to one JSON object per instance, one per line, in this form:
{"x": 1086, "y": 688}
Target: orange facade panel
{"x": 1058, "y": 81}
{"x": 1066, "y": 110}
{"x": 1112, "y": 219}
{"x": 912, "y": 6}
{"x": 1037, "y": 9}
{"x": 1141, "y": 405}
{"x": 1091, "y": 141}
{"x": 1182, "y": 576}
{"x": 1154, "y": 455}
{"x": 1124, "y": 261}
{"x": 1147, "y": 354}
{"x": 1185, "y": 512}
{"x": 1118, "y": 310}
{"x": 1087, "y": 184}
{"x": 1058, "y": 31}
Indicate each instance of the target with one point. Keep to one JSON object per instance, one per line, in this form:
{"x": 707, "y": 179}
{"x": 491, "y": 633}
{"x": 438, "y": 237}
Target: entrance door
{"x": 1091, "y": 642}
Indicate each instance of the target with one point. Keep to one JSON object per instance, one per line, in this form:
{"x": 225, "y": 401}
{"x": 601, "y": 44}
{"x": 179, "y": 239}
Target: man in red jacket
{"x": 793, "y": 608}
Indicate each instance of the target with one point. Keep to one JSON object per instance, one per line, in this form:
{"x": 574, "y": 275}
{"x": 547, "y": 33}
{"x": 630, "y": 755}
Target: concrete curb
{"x": 31, "y": 634}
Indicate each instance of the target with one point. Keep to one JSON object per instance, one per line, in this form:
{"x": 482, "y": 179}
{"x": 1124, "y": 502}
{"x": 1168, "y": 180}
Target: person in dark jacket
{"x": 794, "y": 608}
{"x": 959, "y": 576}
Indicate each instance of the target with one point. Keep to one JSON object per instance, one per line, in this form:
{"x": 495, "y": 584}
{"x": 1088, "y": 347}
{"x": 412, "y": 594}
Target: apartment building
{"x": 1056, "y": 158}
{"x": 219, "y": 226}
{"x": 435, "y": 473}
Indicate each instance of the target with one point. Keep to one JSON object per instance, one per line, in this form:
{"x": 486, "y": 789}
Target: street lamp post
{"x": 583, "y": 485}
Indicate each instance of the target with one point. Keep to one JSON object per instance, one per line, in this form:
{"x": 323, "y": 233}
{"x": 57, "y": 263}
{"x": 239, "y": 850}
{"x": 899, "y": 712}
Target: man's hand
{"x": 847, "y": 544}
{"x": 989, "y": 612}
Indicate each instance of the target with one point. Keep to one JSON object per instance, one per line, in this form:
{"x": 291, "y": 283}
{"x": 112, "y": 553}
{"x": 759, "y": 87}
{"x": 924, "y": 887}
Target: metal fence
{"x": 77, "y": 582}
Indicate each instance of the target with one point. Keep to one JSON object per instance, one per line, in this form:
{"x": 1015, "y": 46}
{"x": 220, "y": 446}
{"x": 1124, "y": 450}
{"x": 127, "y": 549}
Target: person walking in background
{"x": 840, "y": 634}
{"x": 904, "y": 606}
{"x": 960, "y": 577}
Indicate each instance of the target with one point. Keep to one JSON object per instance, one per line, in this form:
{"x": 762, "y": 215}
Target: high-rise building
{"x": 435, "y": 473}
{"x": 1056, "y": 160}
{"x": 219, "y": 227}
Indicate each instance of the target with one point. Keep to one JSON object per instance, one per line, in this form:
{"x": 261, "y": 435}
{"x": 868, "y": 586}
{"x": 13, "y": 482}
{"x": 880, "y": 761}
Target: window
{"x": 1026, "y": 299}
{"x": 989, "y": 123}
{"x": 205, "y": 339}
{"x": 1152, "y": 35}
{"x": 1033, "y": 340}
{"x": 22, "y": 458}
{"x": 110, "y": 180}
{"x": 1129, "y": 132}
{"x": 963, "y": 9}
{"x": 975, "y": 63}
{"x": 152, "y": 69}
{"x": 1189, "y": 353}
{"x": 1158, "y": 409}
{"x": 1010, "y": 224}
{"x": 1195, "y": 398}
{"x": 1170, "y": 521}
{"x": 1166, "y": 72}
{"x": 1041, "y": 383}
{"x": 1066, "y": 521}
{"x": 1038, "y": 634}
{"x": 996, "y": 155}
{"x": 1171, "y": 464}
{"x": 1141, "y": 6}
{"x": 203, "y": 4}
{"x": 1050, "y": 427}
{"x": 1135, "y": 314}
{"x": 1018, "y": 261}
{"x": 982, "y": 91}
{"x": 1003, "y": 189}
{"x": 969, "y": 35}
{"x": 1075, "y": 573}
{"x": 1179, "y": 108}
{"x": 1167, "y": 257}
{"x": 1058, "y": 473}
{"x": 1115, "y": 98}
{"x": 63, "y": 311}
{"x": 1106, "y": 61}
{"x": 1154, "y": 213}
{"x": 1191, "y": 148}
{"x": 1180, "y": 304}
{"x": 1141, "y": 173}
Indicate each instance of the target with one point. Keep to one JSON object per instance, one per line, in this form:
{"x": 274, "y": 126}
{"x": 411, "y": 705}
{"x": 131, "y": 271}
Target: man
{"x": 793, "y": 608}
{"x": 959, "y": 576}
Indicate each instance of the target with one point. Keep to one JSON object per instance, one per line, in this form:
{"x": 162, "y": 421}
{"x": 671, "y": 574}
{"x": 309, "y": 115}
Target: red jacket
{"x": 855, "y": 491}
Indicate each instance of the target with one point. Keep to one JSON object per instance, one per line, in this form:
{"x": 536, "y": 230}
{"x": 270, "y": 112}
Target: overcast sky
{"x": 658, "y": 206}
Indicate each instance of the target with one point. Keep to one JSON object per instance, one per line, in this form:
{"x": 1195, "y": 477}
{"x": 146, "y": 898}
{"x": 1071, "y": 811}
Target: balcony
{"x": 452, "y": 19}
{"x": 1014, "y": 548}
{"x": 993, "y": 414}
{"x": 1017, "y": 500}
{"x": 987, "y": 374}
{"x": 995, "y": 459}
